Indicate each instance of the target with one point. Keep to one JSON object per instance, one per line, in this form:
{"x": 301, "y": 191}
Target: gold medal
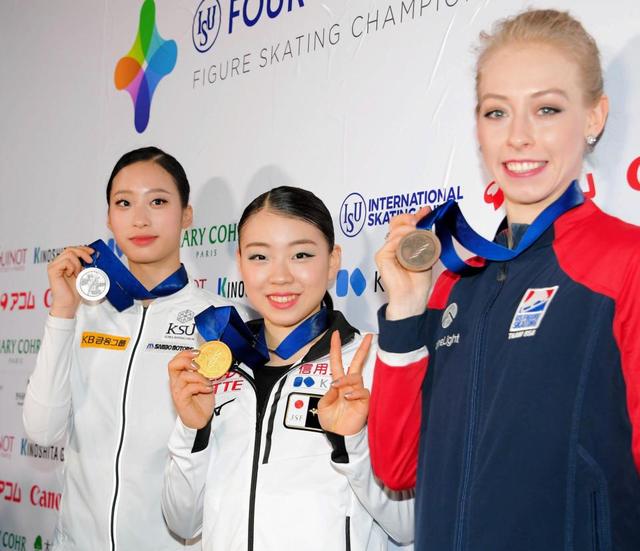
{"x": 214, "y": 360}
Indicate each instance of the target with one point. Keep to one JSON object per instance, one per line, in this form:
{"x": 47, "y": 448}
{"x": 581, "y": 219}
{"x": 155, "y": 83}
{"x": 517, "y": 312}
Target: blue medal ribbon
{"x": 225, "y": 324}
{"x": 451, "y": 224}
{"x": 308, "y": 330}
{"x": 124, "y": 287}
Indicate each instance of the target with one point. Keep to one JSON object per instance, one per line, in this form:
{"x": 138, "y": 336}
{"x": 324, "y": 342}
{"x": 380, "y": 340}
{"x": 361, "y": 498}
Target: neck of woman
{"x": 153, "y": 273}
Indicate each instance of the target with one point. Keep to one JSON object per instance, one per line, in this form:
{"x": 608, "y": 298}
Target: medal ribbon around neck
{"x": 302, "y": 335}
{"x": 125, "y": 288}
{"x": 225, "y": 324}
{"x": 451, "y": 224}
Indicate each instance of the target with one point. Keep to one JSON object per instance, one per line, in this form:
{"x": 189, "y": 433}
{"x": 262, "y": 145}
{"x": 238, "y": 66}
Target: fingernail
{"x": 194, "y": 352}
{"x": 336, "y": 381}
{"x": 194, "y": 366}
{"x": 347, "y": 395}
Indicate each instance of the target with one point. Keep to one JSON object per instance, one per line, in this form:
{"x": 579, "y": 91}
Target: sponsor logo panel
{"x": 102, "y": 340}
{"x": 7, "y": 442}
{"x": 13, "y": 260}
{"x": 356, "y": 211}
{"x": 48, "y": 453}
{"x": 12, "y": 540}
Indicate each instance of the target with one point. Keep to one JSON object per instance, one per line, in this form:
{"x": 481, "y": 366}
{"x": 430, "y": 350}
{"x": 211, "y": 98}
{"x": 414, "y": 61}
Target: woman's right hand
{"x": 407, "y": 291}
{"x": 62, "y": 272}
{"x": 192, "y": 393}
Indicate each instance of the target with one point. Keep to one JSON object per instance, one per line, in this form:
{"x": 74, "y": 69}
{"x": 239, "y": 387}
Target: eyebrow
{"x": 154, "y": 190}
{"x": 558, "y": 91}
{"x": 291, "y": 244}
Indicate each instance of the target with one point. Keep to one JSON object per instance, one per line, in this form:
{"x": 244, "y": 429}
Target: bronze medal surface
{"x": 419, "y": 250}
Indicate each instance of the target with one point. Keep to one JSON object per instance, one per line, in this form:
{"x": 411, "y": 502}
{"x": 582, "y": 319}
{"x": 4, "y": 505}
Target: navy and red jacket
{"x": 523, "y": 433}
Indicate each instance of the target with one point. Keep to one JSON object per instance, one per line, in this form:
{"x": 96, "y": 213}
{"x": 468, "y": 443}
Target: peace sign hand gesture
{"x": 344, "y": 408}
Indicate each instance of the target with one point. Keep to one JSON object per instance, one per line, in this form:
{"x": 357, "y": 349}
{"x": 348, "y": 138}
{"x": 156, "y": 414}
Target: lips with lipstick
{"x": 523, "y": 168}
{"x": 283, "y": 300}
{"x": 143, "y": 240}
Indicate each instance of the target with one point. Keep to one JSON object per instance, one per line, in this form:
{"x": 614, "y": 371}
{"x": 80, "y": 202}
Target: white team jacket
{"x": 270, "y": 484}
{"x": 102, "y": 380}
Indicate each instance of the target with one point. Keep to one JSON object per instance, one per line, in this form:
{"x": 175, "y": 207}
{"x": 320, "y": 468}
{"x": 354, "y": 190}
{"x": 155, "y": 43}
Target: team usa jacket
{"x": 278, "y": 482}
{"x": 102, "y": 380}
{"x": 524, "y": 430}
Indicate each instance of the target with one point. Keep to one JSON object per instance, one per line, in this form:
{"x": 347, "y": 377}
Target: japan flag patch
{"x": 302, "y": 412}
{"x": 530, "y": 311}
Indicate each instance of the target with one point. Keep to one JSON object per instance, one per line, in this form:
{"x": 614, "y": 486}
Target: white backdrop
{"x": 368, "y": 103}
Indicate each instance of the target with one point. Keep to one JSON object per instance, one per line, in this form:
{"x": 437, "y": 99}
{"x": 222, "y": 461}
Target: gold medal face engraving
{"x": 92, "y": 284}
{"x": 214, "y": 360}
{"x": 419, "y": 250}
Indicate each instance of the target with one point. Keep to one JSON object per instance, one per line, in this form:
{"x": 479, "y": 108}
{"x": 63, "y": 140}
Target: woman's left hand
{"x": 345, "y": 407}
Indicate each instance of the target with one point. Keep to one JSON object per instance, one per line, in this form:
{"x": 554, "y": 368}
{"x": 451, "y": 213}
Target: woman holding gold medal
{"x": 274, "y": 454}
{"x": 524, "y": 430}
{"x": 100, "y": 376}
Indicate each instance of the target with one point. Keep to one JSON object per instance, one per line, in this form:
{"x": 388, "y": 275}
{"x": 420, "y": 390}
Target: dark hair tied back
{"x": 297, "y": 203}
{"x": 159, "y": 157}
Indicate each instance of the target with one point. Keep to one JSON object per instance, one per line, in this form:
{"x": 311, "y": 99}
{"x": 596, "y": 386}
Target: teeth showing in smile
{"x": 524, "y": 166}
{"x": 282, "y": 299}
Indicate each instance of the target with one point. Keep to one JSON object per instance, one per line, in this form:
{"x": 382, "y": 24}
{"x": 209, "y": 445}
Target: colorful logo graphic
{"x": 150, "y": 59}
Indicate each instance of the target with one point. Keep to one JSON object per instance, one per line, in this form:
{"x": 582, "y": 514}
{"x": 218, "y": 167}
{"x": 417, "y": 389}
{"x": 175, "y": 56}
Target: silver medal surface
{"x": 92, "y": 284}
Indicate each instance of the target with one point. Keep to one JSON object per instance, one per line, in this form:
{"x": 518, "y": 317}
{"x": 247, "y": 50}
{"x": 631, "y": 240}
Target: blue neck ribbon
{"x": 124, "y": 287}
{"x": 225, "y": 324}
{"x": 451, "y": 224}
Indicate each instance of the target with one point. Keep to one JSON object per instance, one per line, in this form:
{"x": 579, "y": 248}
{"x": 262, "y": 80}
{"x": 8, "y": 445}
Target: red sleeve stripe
{"x": 394, "y": 422}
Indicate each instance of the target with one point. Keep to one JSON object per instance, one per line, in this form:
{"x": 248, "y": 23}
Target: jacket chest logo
{"x": 531, "y": 311}
{"x": 102, "y": 340}
{"x": 302, "y": 412}
{"x": 182, "y": 327}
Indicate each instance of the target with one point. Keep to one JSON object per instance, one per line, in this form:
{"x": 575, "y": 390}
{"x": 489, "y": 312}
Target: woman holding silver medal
{"x": 512, "y": 403}
{"x": 100, "y": 377}
{"x": 274, "y": 454}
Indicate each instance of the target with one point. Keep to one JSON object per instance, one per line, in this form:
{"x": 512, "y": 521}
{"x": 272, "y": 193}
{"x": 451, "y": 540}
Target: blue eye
{"x": 547, "y": 110}
{"x": 495, "y": 114}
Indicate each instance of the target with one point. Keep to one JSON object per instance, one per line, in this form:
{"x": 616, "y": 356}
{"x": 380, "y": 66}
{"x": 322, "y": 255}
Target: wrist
{"x": 66, "y": 312}
{"x": 402, "y": 309}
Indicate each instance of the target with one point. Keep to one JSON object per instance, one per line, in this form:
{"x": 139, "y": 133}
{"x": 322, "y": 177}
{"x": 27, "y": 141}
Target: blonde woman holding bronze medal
{"x": 511, "y": 401}
{"x": 274, "y": 454}
{"x": 100, "y": 377}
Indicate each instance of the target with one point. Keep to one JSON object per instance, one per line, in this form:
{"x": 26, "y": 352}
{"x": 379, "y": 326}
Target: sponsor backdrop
{"x": 369, "y": 103}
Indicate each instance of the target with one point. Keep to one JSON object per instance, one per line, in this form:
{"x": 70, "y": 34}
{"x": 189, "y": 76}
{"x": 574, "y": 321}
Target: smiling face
{"x": 532, "y": 124}
{"x": 146, "y": 218}
{"x": 286, "y": 266}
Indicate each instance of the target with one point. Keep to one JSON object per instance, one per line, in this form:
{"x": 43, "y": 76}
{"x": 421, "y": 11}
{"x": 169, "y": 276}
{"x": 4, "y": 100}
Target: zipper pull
{"x": 502, "y": 272}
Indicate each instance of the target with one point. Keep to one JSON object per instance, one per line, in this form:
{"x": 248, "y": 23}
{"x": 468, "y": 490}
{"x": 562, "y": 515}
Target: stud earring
{"x": 591, "y": 140}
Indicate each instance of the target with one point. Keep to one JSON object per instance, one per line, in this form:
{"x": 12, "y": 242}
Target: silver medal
{"x": 92, "y": 284}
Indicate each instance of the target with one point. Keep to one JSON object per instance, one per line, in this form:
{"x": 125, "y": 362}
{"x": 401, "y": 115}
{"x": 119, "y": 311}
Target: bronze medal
{"x": 419, "y": 250}
{"x": 214, "y": 360}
